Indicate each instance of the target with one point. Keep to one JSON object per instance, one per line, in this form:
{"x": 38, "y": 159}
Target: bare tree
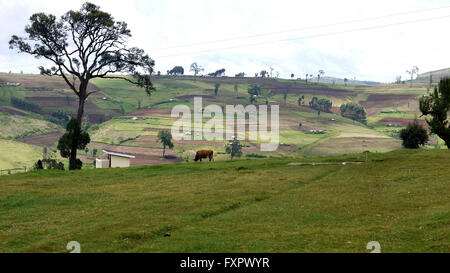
{"x": 196, "y": 68}
{"x": 414, "y": 70}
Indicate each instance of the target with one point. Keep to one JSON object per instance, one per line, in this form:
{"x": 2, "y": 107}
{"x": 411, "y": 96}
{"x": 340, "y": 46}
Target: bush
{"x": 48, "y": 164}
{"x": 414, "y": 135}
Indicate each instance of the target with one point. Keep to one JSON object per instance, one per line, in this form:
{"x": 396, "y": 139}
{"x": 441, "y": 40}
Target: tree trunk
{"x": 81, "y": 102}
{"x": 447, "y": 142}
{"x": 164, "y": 150}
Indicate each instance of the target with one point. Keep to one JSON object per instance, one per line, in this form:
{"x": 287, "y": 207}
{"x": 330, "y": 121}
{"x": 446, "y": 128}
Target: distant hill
{"x": 328, "y": 79}
{"x": 437, "y": 75}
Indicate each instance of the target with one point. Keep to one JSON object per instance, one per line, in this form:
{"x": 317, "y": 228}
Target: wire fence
{"x": 15, "y": 170}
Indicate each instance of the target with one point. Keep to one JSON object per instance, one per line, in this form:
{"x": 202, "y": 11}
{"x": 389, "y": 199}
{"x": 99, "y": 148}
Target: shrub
{"x": 414, "y": 135}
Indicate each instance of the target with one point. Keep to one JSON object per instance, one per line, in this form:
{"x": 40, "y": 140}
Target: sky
{"x": 290, "y": 35}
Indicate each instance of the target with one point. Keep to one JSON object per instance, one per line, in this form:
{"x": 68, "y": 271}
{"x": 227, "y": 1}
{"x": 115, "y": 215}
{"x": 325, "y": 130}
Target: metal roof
{"x": 118, "y": 154}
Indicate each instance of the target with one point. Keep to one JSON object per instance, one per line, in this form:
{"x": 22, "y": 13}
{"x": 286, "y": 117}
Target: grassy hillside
{"x": 436, "y": 75}
{"x": 389, "y": 108}
{"x": 400, "y": 199}
{"x": 15, "y": 154}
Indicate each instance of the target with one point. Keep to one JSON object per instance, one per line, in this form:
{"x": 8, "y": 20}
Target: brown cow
{"x": 204, "y": 154}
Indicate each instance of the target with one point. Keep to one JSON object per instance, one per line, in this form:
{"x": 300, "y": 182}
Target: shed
{"x": 116, "y": 159}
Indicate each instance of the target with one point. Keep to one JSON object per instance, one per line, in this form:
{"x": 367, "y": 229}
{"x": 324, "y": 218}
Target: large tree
{"x": 437, "y": 105}
{"x": 84, "y": 45}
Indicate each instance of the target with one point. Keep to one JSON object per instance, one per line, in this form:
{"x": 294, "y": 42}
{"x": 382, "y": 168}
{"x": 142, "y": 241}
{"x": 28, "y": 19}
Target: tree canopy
{"x": 83, "y": 45}
{"x": 234, "y": 148}
{"x": 218, "y": 73}
{"x": 74, "y": 137}
{"x": 177, "y": 70}
{"x": 323, "y": 105}
{"x": 354, "y": 111}
{"x": 165, "y": 137}
{"x": 437, "y": 105}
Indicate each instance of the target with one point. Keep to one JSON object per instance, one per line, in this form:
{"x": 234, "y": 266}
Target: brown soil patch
{"x": 402, "y": 122}
{"x": 152, "y": 139}
{"x": 44, "y": 140}
{"x": 131, "y": 149}
{"x": 49, "y": 104}
{"x": 376, "y": 102}
{"x": 144, "y": 156}
{"x": 336, "y": 110}
{"x": 144, "y": 112}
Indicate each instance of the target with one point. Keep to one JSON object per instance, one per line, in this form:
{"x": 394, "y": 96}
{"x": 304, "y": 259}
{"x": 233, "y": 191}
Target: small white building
{"x": 115, "y": 159}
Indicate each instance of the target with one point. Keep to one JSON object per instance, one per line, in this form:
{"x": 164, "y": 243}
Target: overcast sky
{"x": 375, "y": 53}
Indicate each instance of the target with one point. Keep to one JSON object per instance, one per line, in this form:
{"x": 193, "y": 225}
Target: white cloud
{"x": 378, "y": 54}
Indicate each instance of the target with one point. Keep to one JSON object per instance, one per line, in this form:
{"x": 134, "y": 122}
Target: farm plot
{"x": 375, "y": 103}
{"x": 43, "y": 140}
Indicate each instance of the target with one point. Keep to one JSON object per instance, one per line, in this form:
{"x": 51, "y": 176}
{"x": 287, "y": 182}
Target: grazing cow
{"x": 204, "y": 154}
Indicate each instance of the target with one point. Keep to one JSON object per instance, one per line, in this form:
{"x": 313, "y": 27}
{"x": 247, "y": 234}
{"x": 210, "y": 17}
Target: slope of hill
{"x": 117, "y": 104}
{"x": 334, "y": 80}
{"x": 400, "y": 199}
{"x": 15, "y": 154}
{"x": 437, "y": 75}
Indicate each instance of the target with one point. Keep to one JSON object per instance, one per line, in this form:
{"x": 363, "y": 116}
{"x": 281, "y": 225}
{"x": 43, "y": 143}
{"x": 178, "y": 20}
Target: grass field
{"x": 15, "y": 154}
{"x": 9, "y": 128}
{"x": 400, "y": 199}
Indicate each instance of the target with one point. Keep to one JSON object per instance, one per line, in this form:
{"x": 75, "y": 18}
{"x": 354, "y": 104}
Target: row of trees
{"x": 308, "y": 76}
{"x": 196, "y": 69}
